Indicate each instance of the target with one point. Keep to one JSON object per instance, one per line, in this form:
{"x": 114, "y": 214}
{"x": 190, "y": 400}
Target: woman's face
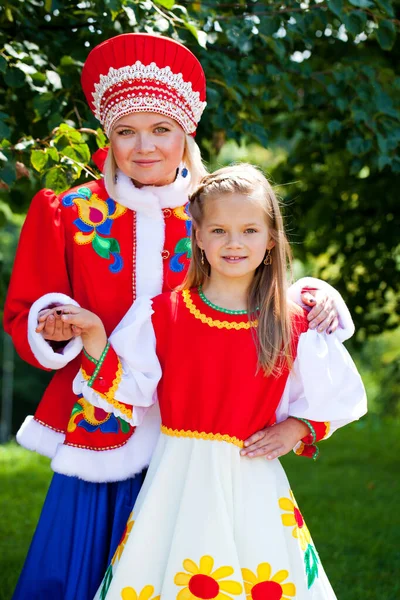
{"x": 148, "y": 147}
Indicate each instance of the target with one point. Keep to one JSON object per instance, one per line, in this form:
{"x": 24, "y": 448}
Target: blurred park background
{"x": 310, "y": 91}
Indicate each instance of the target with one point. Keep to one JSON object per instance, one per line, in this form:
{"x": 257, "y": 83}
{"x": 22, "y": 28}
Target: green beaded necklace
{"x": 219, "y": 308}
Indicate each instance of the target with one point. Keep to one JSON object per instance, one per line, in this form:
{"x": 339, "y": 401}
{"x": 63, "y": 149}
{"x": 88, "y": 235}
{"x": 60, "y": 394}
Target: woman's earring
{"x": 268, "y": 258}
{"x": 202, "y": 257}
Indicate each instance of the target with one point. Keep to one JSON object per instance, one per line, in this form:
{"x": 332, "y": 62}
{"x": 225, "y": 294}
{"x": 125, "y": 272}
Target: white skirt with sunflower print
{"x": 210, "y": 524}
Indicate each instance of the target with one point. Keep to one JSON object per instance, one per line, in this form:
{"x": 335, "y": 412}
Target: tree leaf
{"x": 200, "y": 36}
{"x": 165, "y": 3}
{"x": 362, "y": 3}
{"x": 386, "y": 5}
{"x": 56, "y": 180}
{"x": 39, "y": 159}
{"x": 386, "y": 34}
{"x": 3, "y": 64}
{"x": 42, "y": 103}
{"x": 383, "y": 161}
{"x": 334, "y": 126}
{"x": 8, "y": 173}
{"x": 358, "y": 146}
{"x": 5, "y": 130}
{"x": 355, "y": 22}
{"x": 336, "y": 6}
{"x": 14, "y": 78}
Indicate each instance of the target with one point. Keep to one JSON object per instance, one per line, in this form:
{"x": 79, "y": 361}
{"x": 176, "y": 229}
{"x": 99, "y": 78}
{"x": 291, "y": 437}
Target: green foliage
{"x": 318, "y": 79}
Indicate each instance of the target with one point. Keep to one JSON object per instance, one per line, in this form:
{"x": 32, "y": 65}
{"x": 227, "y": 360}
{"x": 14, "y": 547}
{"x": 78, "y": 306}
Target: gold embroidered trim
{"x": 328, "y": 428}
{"x": 109, "y": 396}
{"x": 214, "y": 322}
{"x": 299, "y": 451}
{"x": 201, "y": 435}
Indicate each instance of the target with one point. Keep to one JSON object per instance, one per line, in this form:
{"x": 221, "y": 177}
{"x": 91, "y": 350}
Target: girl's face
{"x": 234, "y": 236}
{"x": 148, "y": 147}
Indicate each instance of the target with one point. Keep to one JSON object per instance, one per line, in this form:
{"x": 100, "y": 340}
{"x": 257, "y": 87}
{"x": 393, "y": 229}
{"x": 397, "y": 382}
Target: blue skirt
{"x": 78, "y": 532}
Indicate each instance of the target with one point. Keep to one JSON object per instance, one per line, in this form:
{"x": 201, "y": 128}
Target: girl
{"x": 231, "y": 356}
{"x": 101, "y": 245}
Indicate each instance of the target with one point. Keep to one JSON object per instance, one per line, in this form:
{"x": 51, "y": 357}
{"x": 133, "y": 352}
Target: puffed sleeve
{"x": 39, "y": 280}
{"x": 324, "y": 389}
{"x": 124, "y": 380}
{"x": 346, "y": 325}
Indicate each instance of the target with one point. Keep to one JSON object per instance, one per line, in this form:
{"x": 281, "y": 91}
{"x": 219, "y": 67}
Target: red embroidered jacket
{"x": 82, "y": 244}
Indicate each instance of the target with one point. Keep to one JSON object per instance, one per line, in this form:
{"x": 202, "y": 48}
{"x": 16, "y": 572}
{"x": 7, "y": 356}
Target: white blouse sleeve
{"x": 346, "y": 325}
{"x": 324, "y": 384}
{"x": 135, "y": 386}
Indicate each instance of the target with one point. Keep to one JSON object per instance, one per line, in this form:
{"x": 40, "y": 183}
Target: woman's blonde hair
{"x": 191, "y": 159}
{"x": 267, "y": 299}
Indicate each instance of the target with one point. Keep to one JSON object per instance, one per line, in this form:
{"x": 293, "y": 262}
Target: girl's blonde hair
{"x": 191, "y": 159}
{"x": 267, "y": 299}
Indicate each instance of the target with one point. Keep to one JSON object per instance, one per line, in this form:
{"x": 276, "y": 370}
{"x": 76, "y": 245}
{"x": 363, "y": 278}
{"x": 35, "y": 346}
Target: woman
{"x": 101, "y": 245}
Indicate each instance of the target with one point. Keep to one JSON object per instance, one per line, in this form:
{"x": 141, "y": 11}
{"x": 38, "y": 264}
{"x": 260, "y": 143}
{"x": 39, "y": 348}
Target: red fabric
{"x": 215, "y": 368}
{"x": 124, "y": 50}
{"x": 321, "y": 430}
{"x": 48, "y": 260}
{"x": 99, "y": 158}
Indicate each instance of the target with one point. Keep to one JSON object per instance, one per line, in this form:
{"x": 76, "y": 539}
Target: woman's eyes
{"x": 249, "y": 230}
{"x": 124, "y": 131}
{"x": 131, "y": 131}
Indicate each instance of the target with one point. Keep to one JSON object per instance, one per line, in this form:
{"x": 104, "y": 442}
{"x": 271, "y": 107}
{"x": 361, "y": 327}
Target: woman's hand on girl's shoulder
{"x": 323, "y": 315}
{"x": 276, "y": 440}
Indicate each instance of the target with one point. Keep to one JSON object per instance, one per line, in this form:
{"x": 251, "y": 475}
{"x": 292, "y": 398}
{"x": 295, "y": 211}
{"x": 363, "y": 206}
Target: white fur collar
{"x": 150, "y": 200}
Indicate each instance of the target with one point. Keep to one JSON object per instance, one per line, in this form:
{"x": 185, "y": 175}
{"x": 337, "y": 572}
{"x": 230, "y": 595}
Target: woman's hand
{"x": 52, "y": 327}
{"x": 276, "y": 440}
{"x": 323, "y": 316}
{"x": 89, "y": 325}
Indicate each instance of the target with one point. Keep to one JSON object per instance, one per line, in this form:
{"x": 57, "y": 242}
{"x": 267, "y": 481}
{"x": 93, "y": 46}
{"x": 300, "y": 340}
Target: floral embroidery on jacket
{"x": 95, "y": 220}
{"x": 92, "y": 418}
{"x": 183, "y": 246}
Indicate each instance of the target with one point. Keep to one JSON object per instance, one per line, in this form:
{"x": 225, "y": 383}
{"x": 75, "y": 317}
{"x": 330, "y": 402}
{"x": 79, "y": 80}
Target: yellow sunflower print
{"x": 262, "y": 585}
{"x": 294, "y": 518}
{"x": 202, "y": 582}
{"x": 128, "y": 528}
{"x": 128, "y": 593}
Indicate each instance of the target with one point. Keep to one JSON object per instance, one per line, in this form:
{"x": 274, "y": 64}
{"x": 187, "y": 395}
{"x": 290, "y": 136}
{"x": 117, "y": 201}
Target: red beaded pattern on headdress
{"x": 162, "y": 91}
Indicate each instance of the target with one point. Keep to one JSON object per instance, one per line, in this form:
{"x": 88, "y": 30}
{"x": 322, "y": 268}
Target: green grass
{"x": 349, "y": 499}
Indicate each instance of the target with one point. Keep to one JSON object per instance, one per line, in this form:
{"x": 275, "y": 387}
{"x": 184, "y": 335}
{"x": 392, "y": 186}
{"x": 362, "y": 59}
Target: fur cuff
{"x": 41, "y": 349}
{"x": 112, "y": 465}
{"x": 34, "y": 436}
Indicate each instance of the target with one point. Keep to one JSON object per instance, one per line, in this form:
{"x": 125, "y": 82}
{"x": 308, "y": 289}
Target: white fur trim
{"x": 150, "y": 237}
{"x": 346, "y": 326}
{"x": 34, "y": 436}
{"x": 41, "y": 349}
{"x": 150, "y": 198}
{"x": 112, "y": 465}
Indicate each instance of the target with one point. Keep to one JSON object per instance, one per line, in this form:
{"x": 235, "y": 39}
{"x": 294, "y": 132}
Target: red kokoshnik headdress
{"x": 136, "y": 72}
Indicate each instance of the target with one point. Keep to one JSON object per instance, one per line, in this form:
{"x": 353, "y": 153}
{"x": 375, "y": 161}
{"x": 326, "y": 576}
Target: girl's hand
{"x": 323, "y": 316}
{"x": 52, "y": 328}
{"x": 276, "y": 440}
{"x": 91, "y": 328}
